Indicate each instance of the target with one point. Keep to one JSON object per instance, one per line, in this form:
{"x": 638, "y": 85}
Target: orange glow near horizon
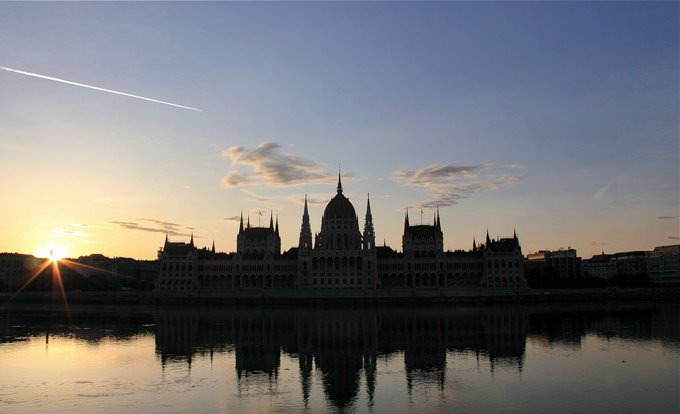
{"x": 52, "y": 252}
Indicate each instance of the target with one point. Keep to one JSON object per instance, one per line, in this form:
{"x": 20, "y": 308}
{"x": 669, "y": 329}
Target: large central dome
{"x": 339, "y": 206}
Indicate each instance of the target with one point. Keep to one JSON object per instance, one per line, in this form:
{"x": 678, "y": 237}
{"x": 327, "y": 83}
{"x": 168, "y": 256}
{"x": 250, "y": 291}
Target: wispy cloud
{"x": 269, "y": 165}
{"x": 447, "y": 184}
{"x": 666, "y": 217}
{"x": 255, "y": 197}
{"x": 82, "y": 85}
{"x": 74, "y": 233}
{"x": 312, "y": 201}
{"x": 233, "y": 218}
{"x": 674, "y": 237}
{"x": 155, "y": 226}
{"x": 600, "y": 243}
{"x": 601, "y": 193}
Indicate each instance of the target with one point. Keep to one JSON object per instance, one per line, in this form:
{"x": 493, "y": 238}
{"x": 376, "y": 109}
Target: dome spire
{"x": 339, "y": 181}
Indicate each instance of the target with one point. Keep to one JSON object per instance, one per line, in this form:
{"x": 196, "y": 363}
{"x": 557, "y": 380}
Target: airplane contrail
{"x": 37, "y": 75}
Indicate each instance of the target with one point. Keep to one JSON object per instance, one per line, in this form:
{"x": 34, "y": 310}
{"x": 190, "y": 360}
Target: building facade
{"x": 663, "y": 265}
{"x": 564, "y": 263}
{"x": 340, "y": 257}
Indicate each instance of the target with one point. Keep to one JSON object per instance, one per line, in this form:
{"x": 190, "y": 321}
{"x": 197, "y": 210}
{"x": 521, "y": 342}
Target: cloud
{"x": 158, "y": 226}
{"x": 601, "y": 193}
{"x": 599, "y": 243}
{"x": 69, "y": 233}
{"x": 665, "y": 217}
{"x": 674, "y": 237}
{"x": 447, "y": 184}
{"x": 312, "y": 201}
{"x": 255, "y": 197}
{"x": 78, "y": 225}
{"x": 233, "y": 218}
{"x": 164, "y": 224}
{"x": 268, "y": 165}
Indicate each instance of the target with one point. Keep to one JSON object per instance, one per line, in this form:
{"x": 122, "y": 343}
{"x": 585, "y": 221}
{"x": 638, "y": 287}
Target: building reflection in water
{"x": 339, "y": 349}
{"x": 343, "y": 345}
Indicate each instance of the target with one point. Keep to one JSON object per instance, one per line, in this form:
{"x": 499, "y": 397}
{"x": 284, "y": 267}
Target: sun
{"x": 52, "y": 252}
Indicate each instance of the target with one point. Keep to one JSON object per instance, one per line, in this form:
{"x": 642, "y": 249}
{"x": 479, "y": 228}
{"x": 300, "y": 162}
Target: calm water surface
{"x": 577, "y": 359}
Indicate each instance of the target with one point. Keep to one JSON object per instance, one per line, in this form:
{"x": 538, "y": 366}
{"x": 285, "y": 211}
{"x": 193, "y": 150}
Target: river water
{"x": 478, "y": 359}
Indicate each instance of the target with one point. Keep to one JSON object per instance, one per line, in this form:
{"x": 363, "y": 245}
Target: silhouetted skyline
{"x": 557, "y": 119}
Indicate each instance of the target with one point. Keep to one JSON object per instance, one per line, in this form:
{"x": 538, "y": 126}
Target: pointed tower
{"x": 488, "y": 239}
{"x": 305, "y": 243}
{"x": 213, "y": 247}
{"x": 474, "y": 245}
{"x": 277, "y": 224}
{"x": 191, "y": 242}
{"x": 339, "y": 182}
{"x": 271, "y": 221}
{"x": 166, "y": 238}
{"x": 240, "y": 227}
{"x": 369, "y": 232}
{"x": 248, "y": 225}
{"x": 406, "y": 223}
{"x": 439, "y": 220}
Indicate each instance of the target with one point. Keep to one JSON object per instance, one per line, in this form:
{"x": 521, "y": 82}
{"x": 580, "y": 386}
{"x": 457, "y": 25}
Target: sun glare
{"x": 52, "y": 252}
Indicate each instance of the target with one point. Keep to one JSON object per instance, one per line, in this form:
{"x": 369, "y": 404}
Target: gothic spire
{"x": 271, "y": 220}
{"x": 166, "y": 237}
{"x": 277, "y": 224}
{"x": 339, "y": 182}
{"x": 488, "y": 240}
{"x": 369, "y": 232}
{"x": 213, "y": 246}
{"x": 474, "y": 245}
{"x": 248, "y": 225}
{"x": 406, "y": 223}
{"x": 240, "y": 227}
{"x": 368, "y": 206}
{"x": 191, "y": 242}
{"x": 439, "y": 220}
{"x": 305, "y": 243}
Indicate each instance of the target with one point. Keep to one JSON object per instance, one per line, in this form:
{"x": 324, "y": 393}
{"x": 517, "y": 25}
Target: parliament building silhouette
{"x": 340, "y": 260}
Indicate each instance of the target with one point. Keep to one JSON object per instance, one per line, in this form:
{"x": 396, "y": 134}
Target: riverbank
{"x": 298, "y": 297}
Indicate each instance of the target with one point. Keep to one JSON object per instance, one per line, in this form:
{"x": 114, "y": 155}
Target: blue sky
{"x": 568, "y": 111}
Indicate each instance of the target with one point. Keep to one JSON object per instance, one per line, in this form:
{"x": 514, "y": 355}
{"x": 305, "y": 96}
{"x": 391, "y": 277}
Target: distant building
{"x": 339, "y": 257}
{"x": 93, "y": 272}
{"x": 14, "y": 269}
{"x": 630, "y": 263}
{"x": 563, "y": 263}
{"x": 663, "y": 265}
{"x": 601, "y": 266}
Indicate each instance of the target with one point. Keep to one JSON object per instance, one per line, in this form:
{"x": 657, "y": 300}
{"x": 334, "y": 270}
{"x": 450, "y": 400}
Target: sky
{"x": 559, "y": 120}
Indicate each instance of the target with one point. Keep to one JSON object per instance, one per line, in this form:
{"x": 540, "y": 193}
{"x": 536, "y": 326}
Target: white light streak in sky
{"x": 37, "y": 75}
